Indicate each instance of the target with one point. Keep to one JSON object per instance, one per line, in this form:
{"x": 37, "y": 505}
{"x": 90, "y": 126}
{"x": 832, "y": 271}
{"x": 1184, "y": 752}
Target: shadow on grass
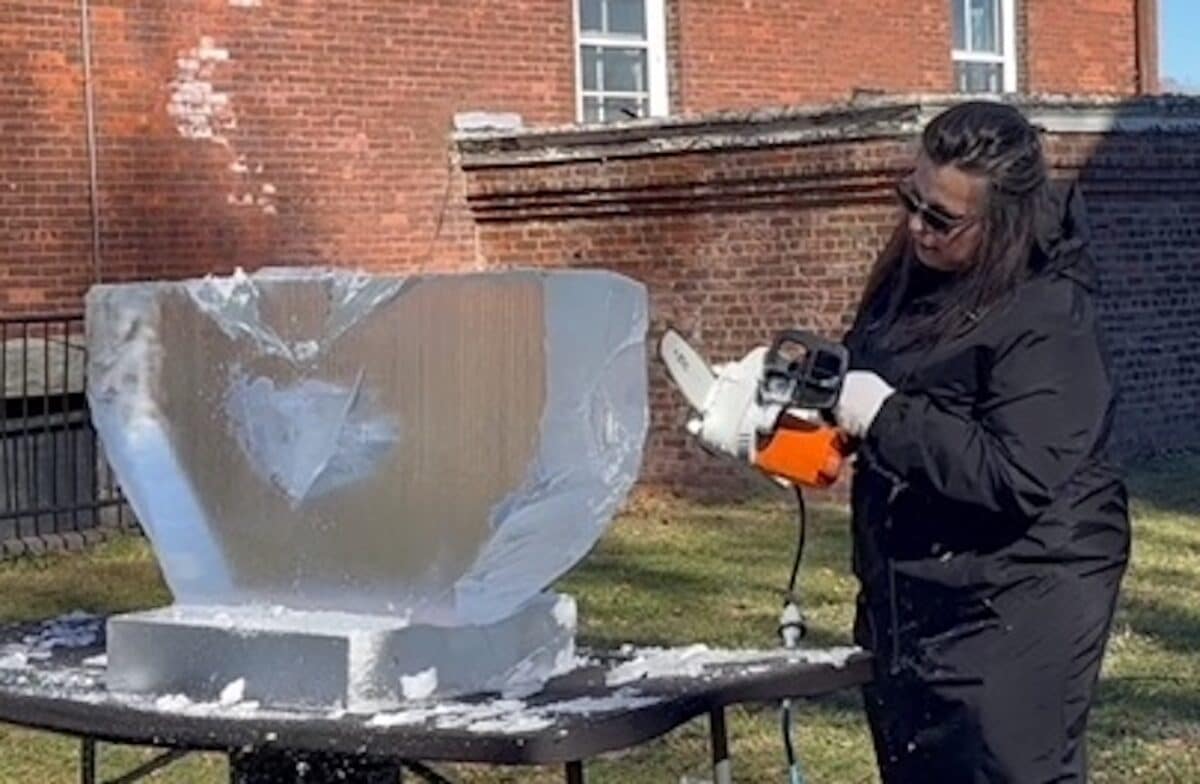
{"x": 1170, "y": 485}
{"x": 1143, "y": 707}
{"x": 1172, "y": 626}
{"x": 606, "y": 574}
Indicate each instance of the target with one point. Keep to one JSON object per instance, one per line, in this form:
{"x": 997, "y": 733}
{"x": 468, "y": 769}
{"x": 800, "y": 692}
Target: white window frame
{"x": 1008, "y": 35}
{"x": 655, "y": 44}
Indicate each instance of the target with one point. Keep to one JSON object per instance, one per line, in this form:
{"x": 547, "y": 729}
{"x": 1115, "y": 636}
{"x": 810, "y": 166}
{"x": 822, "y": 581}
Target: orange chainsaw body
{"x": 803, "y": 453}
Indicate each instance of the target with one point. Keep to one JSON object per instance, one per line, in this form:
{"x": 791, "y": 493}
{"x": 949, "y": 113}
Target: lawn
{"x": 672, "y": 572}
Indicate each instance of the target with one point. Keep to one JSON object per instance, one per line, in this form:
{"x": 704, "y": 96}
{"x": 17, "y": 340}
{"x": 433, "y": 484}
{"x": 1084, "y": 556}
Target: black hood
{"x": 1062, "y": 236}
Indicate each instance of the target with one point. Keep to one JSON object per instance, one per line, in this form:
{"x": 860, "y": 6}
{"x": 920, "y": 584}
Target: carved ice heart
{"x": 308, "y": 438}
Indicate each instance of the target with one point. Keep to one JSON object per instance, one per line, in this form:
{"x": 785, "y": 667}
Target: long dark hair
{"x": 992, "y": 140}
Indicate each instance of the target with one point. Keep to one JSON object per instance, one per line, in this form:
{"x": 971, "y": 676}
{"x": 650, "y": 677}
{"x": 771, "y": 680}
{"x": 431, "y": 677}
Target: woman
{"x": 990, "y": 531}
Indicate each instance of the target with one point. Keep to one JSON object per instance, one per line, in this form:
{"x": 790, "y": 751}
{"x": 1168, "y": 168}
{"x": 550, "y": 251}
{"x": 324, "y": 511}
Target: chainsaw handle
{"x": 804, "y": 338}
{"x": 811, "y": 381}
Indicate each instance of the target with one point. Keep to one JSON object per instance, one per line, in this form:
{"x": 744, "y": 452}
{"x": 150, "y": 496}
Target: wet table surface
{"x": 52, "y": 677}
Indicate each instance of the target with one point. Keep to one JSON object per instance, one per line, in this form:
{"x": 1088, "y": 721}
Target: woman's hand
{"x": 863, "y": 394}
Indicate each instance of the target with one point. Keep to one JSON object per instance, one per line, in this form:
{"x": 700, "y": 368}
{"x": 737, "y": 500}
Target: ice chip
{"x": 233, "y": 693}
{"x": 420, "y": 685}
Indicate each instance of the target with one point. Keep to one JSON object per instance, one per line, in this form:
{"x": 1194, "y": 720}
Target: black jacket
{"x": 990, "y": 528}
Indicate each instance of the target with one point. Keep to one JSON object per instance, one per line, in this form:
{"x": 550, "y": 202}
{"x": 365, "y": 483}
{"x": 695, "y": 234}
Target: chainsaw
{"x": 772, "y": 408}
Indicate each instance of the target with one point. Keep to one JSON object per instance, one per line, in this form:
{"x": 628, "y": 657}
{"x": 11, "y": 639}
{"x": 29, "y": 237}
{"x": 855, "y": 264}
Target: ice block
{"x": 436, "y": 449}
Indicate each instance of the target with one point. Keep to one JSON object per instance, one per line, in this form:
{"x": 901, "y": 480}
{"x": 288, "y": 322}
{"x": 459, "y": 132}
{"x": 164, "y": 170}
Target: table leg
{"x": 722, "y": 769}
{"x": 575, "y": 773}
{"x": 87, "y": 761}
{"x": 263, "y": 766}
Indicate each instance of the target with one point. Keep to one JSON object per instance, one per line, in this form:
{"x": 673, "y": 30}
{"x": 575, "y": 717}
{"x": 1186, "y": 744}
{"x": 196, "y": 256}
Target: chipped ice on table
{"x": 430, "y": 451}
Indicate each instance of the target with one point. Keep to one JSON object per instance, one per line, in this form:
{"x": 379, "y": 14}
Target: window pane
{"x": 624, "y": 70}
{"x": 959, "y": 22}
{"x": 591, "y": 110}
{"x": 614, "y": 76}
{"x": 590, "y": 63}
{"x": 617, "y": 109}
{"x": 985, "y": 28}
{"x": 627, "y": 16}
{"x": 998, "y": 26}
{"x": 979, "y": 77}
{"x": 591, "y": 16}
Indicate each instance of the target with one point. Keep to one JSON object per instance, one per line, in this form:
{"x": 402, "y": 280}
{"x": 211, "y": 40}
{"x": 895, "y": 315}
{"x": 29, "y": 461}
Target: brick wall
{"x": 44, "y": 224}
{"x": 1144, "y": 204}
{"x": 740, "y": 54}
{"x": 732, "y": 247}
{"x": 1022, "y": 31}
{"x": 1083, "y": 46}
{"x": 747, "y": 53}
{"x": 251, "y": 132}
{"x": 775, "y": 222}
{"x": 247, "y": 133}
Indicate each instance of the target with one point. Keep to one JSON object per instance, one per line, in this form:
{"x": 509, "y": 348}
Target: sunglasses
{"x": 933, "y": 217}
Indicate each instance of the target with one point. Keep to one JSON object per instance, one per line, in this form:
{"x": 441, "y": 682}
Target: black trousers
{"x": 1000, "y": 697}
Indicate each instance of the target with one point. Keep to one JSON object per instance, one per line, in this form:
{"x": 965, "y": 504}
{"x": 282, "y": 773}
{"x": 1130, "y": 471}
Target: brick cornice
{"x": 604, "y": 199}
{"x": 882, "y": 117}
{"x": 844, "y": 154}
{"x": 681, "y": 135}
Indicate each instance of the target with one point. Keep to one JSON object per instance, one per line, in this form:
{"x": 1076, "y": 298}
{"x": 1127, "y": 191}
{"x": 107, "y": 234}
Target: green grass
{"x": 672, "y": 572}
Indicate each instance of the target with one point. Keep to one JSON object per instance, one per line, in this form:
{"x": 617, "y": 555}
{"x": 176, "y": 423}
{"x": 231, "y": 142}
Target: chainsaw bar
{"x": 687, "y": 368}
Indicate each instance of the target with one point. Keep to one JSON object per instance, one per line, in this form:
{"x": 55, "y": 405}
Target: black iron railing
{"x": 56, "y": 489}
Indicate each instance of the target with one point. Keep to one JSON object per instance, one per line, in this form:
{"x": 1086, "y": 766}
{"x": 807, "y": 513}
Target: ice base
{"x": 361, "y": 663}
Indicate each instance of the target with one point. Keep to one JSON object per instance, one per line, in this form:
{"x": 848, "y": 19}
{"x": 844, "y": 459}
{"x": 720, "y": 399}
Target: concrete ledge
{"x": 64, "y": 542}
{"x": 892, "y": 116}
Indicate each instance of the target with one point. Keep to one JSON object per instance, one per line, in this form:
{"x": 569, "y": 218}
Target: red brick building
{"x": 232, "y": 132}
{"x": 200, "y": 135}
{"x": 746, "y": 223}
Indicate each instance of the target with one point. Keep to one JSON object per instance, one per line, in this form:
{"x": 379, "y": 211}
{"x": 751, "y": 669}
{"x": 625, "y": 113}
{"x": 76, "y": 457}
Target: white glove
{"x": 863, "y": 394}
{"x": 732, "y": 416}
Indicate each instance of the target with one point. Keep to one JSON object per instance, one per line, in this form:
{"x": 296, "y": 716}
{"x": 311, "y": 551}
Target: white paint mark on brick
{"x": 246, "y": 3}
{"x": 209, "y": 51}
{"x": 266, "y": 199}
{"x": 202, "y": 112}
{"x": 199, "y": 110}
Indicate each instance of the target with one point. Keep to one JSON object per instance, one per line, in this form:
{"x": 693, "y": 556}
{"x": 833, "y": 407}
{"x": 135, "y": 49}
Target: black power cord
{"x": 792, "y": 630}
{"x": 801, "y": 527}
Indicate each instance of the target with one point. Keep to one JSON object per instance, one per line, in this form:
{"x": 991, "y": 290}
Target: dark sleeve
{"x": 1046, "y": 404}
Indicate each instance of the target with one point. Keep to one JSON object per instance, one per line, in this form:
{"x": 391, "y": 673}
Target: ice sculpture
{"x": 353, "y": 474}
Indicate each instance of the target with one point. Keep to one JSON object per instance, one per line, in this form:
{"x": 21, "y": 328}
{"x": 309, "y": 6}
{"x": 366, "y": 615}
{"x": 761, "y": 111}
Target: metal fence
{"x": 56, "y": 490}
